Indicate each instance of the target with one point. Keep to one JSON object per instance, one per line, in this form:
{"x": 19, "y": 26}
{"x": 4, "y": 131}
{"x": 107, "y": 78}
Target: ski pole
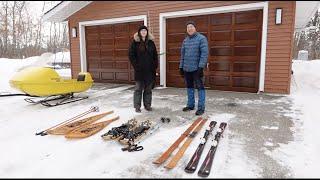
{"x": 92, "y": 109}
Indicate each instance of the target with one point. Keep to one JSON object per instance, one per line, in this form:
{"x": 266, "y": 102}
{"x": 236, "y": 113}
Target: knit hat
{"x": 142, "y": 27}
{"x": 191, "y": 22}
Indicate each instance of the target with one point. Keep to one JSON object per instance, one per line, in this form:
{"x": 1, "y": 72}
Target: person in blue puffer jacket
{"x": 194, "y": 58}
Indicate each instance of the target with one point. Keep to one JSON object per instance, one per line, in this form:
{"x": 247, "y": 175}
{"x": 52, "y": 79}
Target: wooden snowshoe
{"x": 135, "y": 134}
{"x": 66, "y": 128}
{"x": 117, "y": 133}
{"x": 89, "y": 130}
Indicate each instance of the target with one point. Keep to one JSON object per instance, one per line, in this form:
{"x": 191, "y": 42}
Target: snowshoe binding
{"x": 118, "y": 132}
{"x": 134, "y": 135}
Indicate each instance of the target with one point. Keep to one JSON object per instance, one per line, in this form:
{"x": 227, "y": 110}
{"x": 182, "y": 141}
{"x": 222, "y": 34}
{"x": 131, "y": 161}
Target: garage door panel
{"x": 122, "y": 65}
{"x": 106, "y": 55}
{"x": 175, "y": 80}
{"x": 176, "y": 25}
{"x": 173, "y": 66}
{"x": 247, "y": 26}
{"x": 244, "y": 66}
{"x": 122, "y": 42}
{"x": 107, "y": 65}
{"x": 245, "y": 50}
{"x": 221, "y": 19}
{"x": 107, "y": 42}
{"x": 221, "y": 51}
{"x": 121, "y": 53}
{"x": 106, "y": 29}
{"x": 247, "y": 58}
{"x": 248, "y": 82}
{"x": 246, "y": 35}
{"x": 221, "y": 27}
{"x": 174, "y": 51}
{"x": 121, "y": 30}
{"x": 176, "y": 38}
{"x": 107, "y": 76}
{"x": 251, "y": 17}
{"x": 93, "y": 30}
{"x": 93, "y": 52}
{"x": 246, "y": 43}
{"x": 219, "y": 80}
{"x": 220, "y": 35}
{"x": 122, "y": 76}
{"x": 219, "y": 66}
{"x": 173, "y": 58}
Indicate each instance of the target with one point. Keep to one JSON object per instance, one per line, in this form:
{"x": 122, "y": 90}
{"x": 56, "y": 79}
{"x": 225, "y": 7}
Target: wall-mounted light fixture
{"x": 278, "y": 16}
{"x": 74, "y": 32}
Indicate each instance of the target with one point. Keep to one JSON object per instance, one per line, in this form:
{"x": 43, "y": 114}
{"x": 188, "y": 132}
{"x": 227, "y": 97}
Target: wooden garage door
{"x": 107, "y": 51}
{"x": 234, "y": 49}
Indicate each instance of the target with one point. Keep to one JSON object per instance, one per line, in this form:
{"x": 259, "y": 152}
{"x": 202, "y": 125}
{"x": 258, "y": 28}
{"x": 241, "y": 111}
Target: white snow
{"x": 270, "y": 127}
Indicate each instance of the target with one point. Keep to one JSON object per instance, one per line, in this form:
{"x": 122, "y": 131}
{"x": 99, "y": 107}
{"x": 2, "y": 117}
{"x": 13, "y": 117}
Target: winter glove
{"x": 181, "y": 71}
{"x": 200, "y": 72}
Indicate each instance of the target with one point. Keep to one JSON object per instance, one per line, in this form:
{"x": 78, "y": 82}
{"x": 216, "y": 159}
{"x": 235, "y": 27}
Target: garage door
{"x": 107, "y": 52}
{"x": 234, "y": 49}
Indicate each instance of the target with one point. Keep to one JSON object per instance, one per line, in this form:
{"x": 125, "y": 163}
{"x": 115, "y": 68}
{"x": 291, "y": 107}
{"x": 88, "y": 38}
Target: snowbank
{"x": 302, "y": 154}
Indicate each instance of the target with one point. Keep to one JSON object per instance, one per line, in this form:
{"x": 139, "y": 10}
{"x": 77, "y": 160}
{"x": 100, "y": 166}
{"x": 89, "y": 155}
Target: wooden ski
{"x": 174, "y": 161}
{"x": 89, "y": 130}
{"x": 168, "y": 152}
{"x": 92, "y": 109}
{"x": 66, "y": 128}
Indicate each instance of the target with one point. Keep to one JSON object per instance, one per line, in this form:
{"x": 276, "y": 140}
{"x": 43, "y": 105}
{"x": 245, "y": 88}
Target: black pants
{"x": 147, "y": 94}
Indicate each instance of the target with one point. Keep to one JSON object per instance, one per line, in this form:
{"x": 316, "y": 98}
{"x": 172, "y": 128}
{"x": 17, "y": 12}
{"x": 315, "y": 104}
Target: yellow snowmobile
{"x": 46, "y": 82}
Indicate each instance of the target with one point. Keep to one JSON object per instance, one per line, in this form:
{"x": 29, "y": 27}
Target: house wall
{"x": 279, "y": 38}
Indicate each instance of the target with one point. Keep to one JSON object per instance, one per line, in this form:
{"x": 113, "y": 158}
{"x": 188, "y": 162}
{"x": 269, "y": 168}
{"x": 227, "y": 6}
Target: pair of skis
{"x": 199, "y": 122}
{"x": 205, "y": 168}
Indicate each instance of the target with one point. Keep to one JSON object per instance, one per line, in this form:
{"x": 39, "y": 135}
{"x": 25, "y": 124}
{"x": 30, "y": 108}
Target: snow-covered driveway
{"x": 263, "y": 137}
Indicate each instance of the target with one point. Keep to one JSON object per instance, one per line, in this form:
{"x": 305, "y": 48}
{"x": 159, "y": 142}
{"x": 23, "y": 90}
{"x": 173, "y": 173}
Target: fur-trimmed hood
{"x": 137, "y": 39}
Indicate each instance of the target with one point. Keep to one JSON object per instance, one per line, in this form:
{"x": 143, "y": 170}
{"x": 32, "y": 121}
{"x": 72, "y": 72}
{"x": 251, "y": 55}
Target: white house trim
{"x": 82, "y": 25}
{"x": 214, "y": 10}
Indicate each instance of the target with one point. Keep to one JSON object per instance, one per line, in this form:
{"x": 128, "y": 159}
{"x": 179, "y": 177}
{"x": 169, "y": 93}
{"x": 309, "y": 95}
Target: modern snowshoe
{"x": 118, "y": 132}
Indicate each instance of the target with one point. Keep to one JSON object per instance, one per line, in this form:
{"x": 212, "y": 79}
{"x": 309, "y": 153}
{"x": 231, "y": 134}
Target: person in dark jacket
{"x": 144, "y": 59}
{"x": 194, "y": 58}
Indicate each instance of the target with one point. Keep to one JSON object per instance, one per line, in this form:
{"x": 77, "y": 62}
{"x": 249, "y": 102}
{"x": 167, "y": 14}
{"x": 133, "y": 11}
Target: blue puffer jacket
{"x": 194, "y": 52}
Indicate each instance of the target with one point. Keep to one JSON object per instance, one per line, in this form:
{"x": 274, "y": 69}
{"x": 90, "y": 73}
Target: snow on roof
{"x": 63, "y": 10}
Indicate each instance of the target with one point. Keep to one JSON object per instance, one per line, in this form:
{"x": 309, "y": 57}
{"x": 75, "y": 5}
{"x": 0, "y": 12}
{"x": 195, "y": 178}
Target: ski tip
{"x": 203, "y": 174}
{"x": 187, "y": 170}
{"x": 168, "y": 167}
{"x": 156, "y": 162}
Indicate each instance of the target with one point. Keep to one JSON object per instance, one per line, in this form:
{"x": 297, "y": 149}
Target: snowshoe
{"x": 118, "y": 132}
{"x": 135, "y": 134}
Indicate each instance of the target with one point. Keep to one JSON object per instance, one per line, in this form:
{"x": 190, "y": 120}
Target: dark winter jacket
{"x": 144, "y": 63}
{"x": 194, "y": 52}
